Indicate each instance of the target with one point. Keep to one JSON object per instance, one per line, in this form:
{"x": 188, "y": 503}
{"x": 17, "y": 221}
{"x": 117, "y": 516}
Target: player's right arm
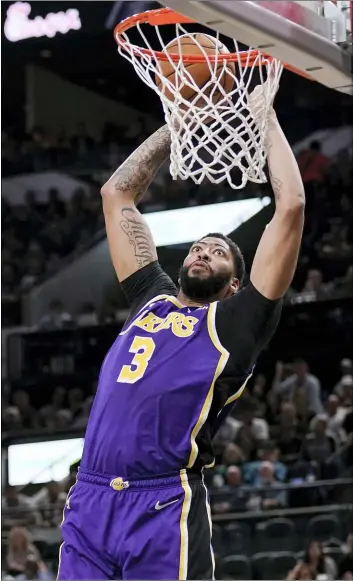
{"x": 129, "y": 237}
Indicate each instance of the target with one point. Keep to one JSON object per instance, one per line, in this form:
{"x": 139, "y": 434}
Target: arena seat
{"x": 277, "y": 534}
{"x": 335, "y": 553}
{"x": 279, "y": 564}
{"x": 237, "y": 537}
{"x": 217, "y": 540}
{"x": 333, "y": 543}
{"x": 258, "y": 562}
{"x": 323, "y": 526}
{"x": 236, "y": 567}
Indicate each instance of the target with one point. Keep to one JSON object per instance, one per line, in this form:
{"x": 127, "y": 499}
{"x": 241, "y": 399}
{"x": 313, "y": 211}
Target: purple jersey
{"x": 155, "y": 391}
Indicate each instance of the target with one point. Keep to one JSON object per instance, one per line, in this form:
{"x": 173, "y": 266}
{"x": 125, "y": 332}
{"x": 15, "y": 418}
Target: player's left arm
{"x": 277, "y": 254}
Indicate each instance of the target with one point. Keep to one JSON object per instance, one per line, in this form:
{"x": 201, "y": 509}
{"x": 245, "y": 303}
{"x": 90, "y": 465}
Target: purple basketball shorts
{"x": 159, "y": 528}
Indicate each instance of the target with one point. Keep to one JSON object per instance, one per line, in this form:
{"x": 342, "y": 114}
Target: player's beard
{"x": 201, "y": 288}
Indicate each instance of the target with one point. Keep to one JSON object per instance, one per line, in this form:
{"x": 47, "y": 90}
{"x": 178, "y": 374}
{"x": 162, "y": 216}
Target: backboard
{"x": 311, "y": 35}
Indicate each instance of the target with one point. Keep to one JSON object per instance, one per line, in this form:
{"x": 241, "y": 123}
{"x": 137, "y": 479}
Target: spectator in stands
{"x": 87, "y": 316}
{"x": 347, "y": 427}
{"x": 301, "y": 571}
{"x": 56, "y": 206}
{"x": 259, "y": 392}
{"x": 81, "y": 142}
{"x": 49, "y": 501}
{"x": 57, "y": 317}
{"x": 70, "y": 480}
{"x": 346, "y": 366}
{"x": 225, "y": 435}
{"x": 270, "y": 494}
{"x": 235, "y": 496}
{"x": 266, "y": 452}
{"x": 232, "y": 455}
{"x": 16, "y": 509}
{"x": 82, "y": 418}
{"x": 303, "y": 389}
{"x": 346, "y": 392}
{"x": 345, "y": 284}
{"x": 313, "y": 164}
{"x": 63, "y": 419}
{"x": 345, "y": 567}
{"x": 251, "y": 427}
{"x": 318, "y": 563}
{"x": 29, "y": 416}
{"x": 76, "y": 398}
{"x": 318, "y": 444}
{"x": 20, "y": 547}
{"x": 34, "y": 570}
{"x": 11, "y": 418}
{"x": 336, "y": 415}
{"x": 315, "y": 286}
{"x": 48, "y": 412}
{"x": 288, "y": 433}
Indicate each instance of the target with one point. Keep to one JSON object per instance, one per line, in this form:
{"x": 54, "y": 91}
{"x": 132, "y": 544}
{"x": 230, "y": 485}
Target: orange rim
{"x": 162, "y": 16}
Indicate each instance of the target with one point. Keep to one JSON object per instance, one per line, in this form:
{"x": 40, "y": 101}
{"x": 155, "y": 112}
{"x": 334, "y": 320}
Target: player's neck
{"x": 193, "y": 302}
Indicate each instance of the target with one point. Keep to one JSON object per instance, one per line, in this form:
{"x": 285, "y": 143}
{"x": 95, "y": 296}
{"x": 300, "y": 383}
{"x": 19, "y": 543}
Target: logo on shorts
{"x": 119, "y": 484}
{"x": 159, "y": 506}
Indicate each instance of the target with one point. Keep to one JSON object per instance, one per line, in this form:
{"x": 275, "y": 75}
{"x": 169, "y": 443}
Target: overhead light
{"x": 183, "y": 225}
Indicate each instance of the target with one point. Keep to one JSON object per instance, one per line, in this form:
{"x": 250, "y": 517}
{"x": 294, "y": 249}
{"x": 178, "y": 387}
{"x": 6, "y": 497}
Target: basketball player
{"x": 139, "y": 509}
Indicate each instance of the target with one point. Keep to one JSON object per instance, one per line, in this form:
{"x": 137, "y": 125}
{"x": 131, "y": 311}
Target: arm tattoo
{"x": 276, "y": 183}
{"x": 138, "y": 235}
{"x": 136, "y": 173}
{"x": 277, "y": 186}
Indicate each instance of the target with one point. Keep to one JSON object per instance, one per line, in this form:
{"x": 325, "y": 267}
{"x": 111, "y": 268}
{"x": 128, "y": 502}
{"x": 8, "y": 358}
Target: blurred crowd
{"x": 277, "y": 433}
{"x": 283, "y": 432}
{"x": 37, "y": 236}
{"x": 67, "y": 409}
{"x": 42, "y": 150}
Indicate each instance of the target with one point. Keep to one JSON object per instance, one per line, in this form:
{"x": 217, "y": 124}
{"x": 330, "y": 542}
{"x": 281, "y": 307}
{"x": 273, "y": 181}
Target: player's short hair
{"x": 238, "y": 258}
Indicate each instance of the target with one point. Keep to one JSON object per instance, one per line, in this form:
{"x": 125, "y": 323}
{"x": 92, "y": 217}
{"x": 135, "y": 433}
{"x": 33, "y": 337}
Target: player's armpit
{"x": 277, "y": 254}
{"x": 129, "y": 237}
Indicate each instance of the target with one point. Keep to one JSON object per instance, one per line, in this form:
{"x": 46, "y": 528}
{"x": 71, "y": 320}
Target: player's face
{"x": 208, "y": 271}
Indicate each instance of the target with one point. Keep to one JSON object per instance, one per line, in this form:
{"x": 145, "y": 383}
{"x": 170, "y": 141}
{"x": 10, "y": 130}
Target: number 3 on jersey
{"x": 143, "y": 347}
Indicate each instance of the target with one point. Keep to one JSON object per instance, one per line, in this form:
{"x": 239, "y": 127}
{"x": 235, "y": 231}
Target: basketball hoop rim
{"x": 164, "y": 16}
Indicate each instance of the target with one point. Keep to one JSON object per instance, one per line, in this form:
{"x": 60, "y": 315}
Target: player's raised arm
{"x": 130, "y": 240}
{"x": 277, "y": 254}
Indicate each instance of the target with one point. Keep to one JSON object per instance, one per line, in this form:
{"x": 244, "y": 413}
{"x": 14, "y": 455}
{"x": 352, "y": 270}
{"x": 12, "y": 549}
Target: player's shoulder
{"x": 145, "y": 285}
{"x": 247, "y": 318}
{"x": 247, "y": 298}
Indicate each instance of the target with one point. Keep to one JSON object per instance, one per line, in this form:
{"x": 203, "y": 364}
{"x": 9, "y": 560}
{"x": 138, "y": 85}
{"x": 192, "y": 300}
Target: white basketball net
{"x": 222, "y": 141}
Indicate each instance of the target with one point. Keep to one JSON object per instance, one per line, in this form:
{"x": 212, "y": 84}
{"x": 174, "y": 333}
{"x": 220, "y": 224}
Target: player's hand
{"x": 262, "y": 97}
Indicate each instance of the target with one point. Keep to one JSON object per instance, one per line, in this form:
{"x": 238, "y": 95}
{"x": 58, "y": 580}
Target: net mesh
{"x": 216, "y": 134}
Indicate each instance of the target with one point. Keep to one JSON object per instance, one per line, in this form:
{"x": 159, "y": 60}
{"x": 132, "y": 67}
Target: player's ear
{"x": 234, "y": 286}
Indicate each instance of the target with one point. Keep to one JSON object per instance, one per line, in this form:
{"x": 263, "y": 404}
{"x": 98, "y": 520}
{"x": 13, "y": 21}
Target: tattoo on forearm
{"x": 137, "y": 172}
{"x": 138, "y": 235}
{"x": 277, "y": 185}
{"x": 280, "y": 188}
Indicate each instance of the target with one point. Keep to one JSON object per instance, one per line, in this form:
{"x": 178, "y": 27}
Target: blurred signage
{"x": 38, "y": 462}
{"x": 18, "y": 25}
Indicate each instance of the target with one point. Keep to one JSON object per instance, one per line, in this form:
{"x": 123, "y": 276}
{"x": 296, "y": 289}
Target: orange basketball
{"x": 200, "y": 72}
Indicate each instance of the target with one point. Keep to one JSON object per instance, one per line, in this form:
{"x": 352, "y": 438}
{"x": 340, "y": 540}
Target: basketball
{"x": 200, "y": 72}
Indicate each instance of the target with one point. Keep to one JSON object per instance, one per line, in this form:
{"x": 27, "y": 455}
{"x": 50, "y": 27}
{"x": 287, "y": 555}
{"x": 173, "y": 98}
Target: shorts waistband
{"x": 122, "y": 483}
